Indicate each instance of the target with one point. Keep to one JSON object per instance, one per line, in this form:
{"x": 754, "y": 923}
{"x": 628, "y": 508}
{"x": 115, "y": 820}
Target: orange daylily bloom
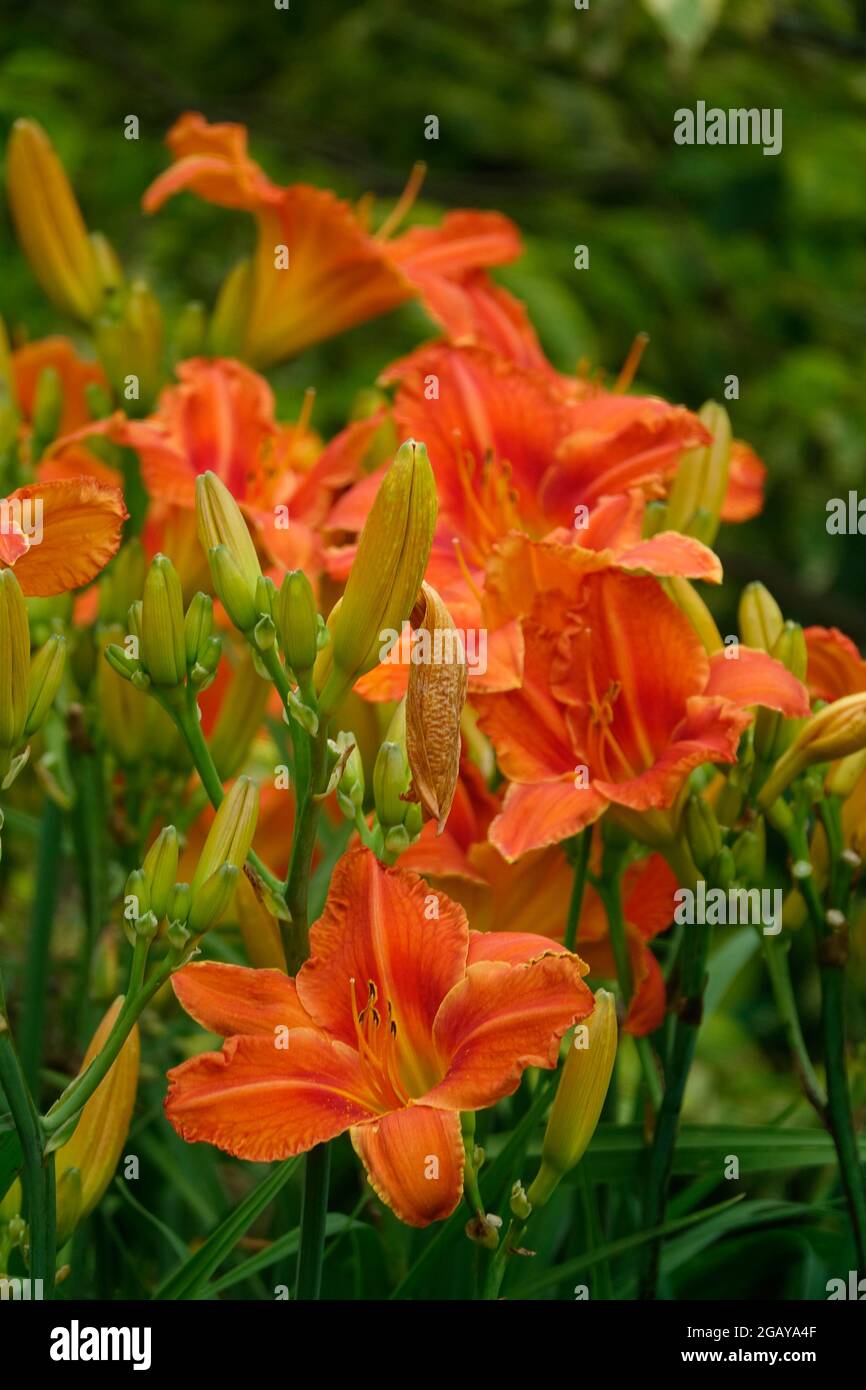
{"x": 221, "y": 416}
{"x": 532, "y": 893}
{"x": 619, "y": 702}
{"x": 520, "y": 450}
{"x": 80, "y": 521}
{"x": 75, "y": 374}
{"x": 836, "y": 667}
{"x": 396, "y": 1024}
{"x": 338, "y": 273}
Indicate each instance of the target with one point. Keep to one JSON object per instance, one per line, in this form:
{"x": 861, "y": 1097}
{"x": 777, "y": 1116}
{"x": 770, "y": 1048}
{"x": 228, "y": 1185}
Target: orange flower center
{"x": 491, "y": 502}
{"x": 376, "y": 1035}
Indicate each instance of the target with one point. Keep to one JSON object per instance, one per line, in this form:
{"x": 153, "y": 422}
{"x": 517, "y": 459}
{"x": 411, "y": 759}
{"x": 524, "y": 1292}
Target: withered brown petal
{"x": 434, "y": 704}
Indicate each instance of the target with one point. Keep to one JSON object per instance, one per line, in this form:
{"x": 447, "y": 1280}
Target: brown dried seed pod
{"x": 434, "y": 704}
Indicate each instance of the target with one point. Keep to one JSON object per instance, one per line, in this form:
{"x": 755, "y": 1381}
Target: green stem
{"x": 32, "y": 1031}
{"x": 38, "y": 1171}
{"x": 297, "y": 936}
{"x": 693, "y": 979}
{"x": 79, "y": 1091}
{"x": 832, "y": 950}
{"x": 314, "y": 1211}
{"x": 776, "y": 959}
{"x": 187, "y": 721}
{"x": 577, "y": 853}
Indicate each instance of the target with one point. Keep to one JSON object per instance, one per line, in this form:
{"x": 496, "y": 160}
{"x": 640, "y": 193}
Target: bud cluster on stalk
{"x": 153, "y": 895}
{"x": 170, "y": 648}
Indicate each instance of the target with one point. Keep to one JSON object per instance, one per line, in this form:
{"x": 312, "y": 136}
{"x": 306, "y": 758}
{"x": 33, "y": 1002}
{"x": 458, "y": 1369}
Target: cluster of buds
{"x": 28, "y": 685}
{"x": 191, "y": 909}
{"x": 165, "y": 648}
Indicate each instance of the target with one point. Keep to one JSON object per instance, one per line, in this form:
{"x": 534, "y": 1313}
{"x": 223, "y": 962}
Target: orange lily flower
{"x": 59, "y": 355}
{"x": 532, "y": 894}
{"x": 836, "y": 667}
{"x": 80, "y": 522}
{"x": 338, "y": 273}
{"x": 619, "y": 702}
{"x": 395, "y": 1025}
{"x": 221, "y": 416}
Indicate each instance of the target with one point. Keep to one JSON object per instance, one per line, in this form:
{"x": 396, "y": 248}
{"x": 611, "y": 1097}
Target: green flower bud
{"x": 179, "y": 902}
{"x": 163, "y": 648}
{"x": 390, "y": 780}
{"x": 298, "y": 622}
{"x": 760, "y": 616}
{"x": 221, "y": 523}
{"x": 212, "y": 898}
{"x": 160, "y": 869}
{"x": 229, "y": 583}
{"x": 702, "y": 832}
{"x": 136, "y": 895}
{"x": 14, "y": 661}
{"x": 231, "y": 833}
{"x": 197, "y": 627}
{"x": 46, "y": 673}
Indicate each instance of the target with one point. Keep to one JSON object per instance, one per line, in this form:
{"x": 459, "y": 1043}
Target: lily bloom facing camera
{"x": 401, "y": 1019}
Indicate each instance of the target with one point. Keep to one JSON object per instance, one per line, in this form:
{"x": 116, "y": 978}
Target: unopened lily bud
{"x": 49, "y": 223}
{"x": 123, "y": 583}
{"x": 163, "y": 647}
{"x": 231, "y": 311}
{"x": 687, "y": 598}
{"x": 46, "y": 673}
{"x": 760, "y": 617}
{"x": 350, "y": 789}
{"x": 136, "y": 895}
{"x": 390, "y": 782}
{"x": 14, "y": 661}
{"x": 845, "y": 774}
{"x": 773, "y": 732}
{"x": 385, "y": 579}
{"x": 229, "y": 583}
{"x": 108, "y": 265}
{"x": 211, "y": 899}
{"x": 97, "y": 1141}
{"x": 197, "y": 626}
{"x": 702, "y": 832}
{"x": 179, "y": 902}
{"x": 521, "y": 1207}
{"x": 221, "y": 523}
{"x": 434, "y": 705}
{"x": 836, "y": 731}
{"x": 298, "y": 622}
{"x": 240, "y": 717}
{"x": 579, "y": 1097}
{"x": 231, "y": 834}
{"x": 160, "y": 869}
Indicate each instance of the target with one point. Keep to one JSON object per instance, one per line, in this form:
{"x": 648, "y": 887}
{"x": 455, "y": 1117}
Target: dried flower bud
{"x": 434, "y": 705}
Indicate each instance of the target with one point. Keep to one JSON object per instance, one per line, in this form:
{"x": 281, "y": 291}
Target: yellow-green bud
{"x": 179, "y": 902}
{"x": 221, "y": 523}
{"x": 579, "y": 1097}
{"x": 702, "y": 832}
{"x": 390, "y": 781}
{"x": 46, "y": 673}
{"x": 760, "y": 617}
{"x": 14, "y": 660}
{"x": 385, "y": 579}
{"x": 229, "y": 583}
{"x": 231, "y": 834}
{"x": 836, "y": 731}
{"x": 160, "y": 869}
{"x": 123, "y": 583}
{"x": 136, "y": 895}
{"x": 163, "y": 647}
{"x": 211, "y": 899}
{"x": 197, "y": 627}
{"x": 298, "y": 622}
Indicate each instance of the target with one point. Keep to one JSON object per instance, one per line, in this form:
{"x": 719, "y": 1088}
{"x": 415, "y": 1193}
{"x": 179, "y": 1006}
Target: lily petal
{"x": 755, "y": 678}
{"x": 263, "y": 1103}
{"x": 81, "y": 525}
{"x": 414, "y": 1160}
{"x": 229, "y": 999}
{"x": 543, "y": 814}
{"x": 501, "y": 1019}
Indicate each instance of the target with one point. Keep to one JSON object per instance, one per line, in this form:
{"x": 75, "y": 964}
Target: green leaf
{"x": 287, "y": 1244}
{"x": 554, "y": 1276}
{"x": 191, "y": 1278}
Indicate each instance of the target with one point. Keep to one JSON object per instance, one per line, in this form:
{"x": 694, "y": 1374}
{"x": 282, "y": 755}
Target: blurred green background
{"x": 732, "y": 261}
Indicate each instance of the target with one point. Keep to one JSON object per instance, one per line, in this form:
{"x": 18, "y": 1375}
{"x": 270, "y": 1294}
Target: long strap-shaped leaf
{"x": 190, "y": 1280}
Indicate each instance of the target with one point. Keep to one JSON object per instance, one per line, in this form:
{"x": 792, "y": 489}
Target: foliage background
{"x": 733, "y": 262}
